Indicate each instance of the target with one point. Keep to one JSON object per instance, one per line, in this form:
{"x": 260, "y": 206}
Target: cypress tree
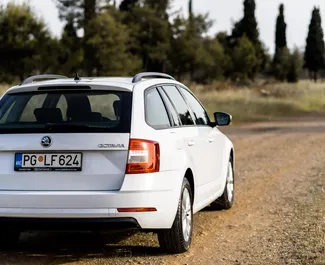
{"x": 190, "y": 9}
{"x": 248, "y": 27}
{"x": 248, "y": 24}
{"x": 315, "y": 49}
{"x": 280, "y": 33}
{"x": 281, "y": 56}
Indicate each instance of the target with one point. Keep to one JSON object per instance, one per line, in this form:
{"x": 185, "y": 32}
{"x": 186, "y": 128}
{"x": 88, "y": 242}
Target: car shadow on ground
{"x": 213, "y": 208}
{"x": 63, "y": 247}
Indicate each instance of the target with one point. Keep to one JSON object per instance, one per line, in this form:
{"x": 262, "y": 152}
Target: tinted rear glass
{"x": 66, "y": 111}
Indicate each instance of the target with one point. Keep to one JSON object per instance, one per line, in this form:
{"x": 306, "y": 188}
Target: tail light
{"x": 144, "y": 157}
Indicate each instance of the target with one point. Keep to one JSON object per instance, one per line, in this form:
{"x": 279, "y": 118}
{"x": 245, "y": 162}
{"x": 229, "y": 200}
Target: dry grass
{"x": 3, "y": 88}
{"x": 264, "y": 102}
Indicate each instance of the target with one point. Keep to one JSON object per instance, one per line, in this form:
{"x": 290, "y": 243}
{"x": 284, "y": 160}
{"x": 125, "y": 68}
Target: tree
{"x": 224, "y": 40}
{"x": 244, "y": 59}
{"x": 248, "y": 26}
{"x": 111, "y": 59}
{"x": 128, "y": 5}
{"x": 160, "y": 6}
{"x": 150, "y": 37}
{"x": 281, "y": 64}
{"x": 190, "y": 10}
{"x": 282, "y": 54}
{"x": 179, "y": 46}
{"x": 195, "y": 27}
{"x": 82, "y": 12}
{"x": 25, "y": 43}
{"x": 71, "y": 53}
{"x": 295, "y": 66}
{"x": 280, "y": 33}
{"x": 211, "y": 61}
{"x": 315, "y": 49}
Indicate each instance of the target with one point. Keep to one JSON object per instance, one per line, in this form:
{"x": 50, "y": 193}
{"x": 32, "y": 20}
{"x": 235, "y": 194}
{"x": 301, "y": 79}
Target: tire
{"x": 9, "y": 238}
{"x": 226, "y": 201}
{"x": 178, "y": 240}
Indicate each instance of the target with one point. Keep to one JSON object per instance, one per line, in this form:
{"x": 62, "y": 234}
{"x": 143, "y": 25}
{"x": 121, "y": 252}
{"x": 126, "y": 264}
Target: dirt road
{"x": 278, "y": 218}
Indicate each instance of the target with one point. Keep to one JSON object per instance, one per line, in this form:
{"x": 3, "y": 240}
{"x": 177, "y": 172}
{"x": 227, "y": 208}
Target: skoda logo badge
{"x": 46, "y": 141}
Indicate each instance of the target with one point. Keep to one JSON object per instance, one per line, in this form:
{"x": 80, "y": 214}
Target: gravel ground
{"x": 278, "y": 217}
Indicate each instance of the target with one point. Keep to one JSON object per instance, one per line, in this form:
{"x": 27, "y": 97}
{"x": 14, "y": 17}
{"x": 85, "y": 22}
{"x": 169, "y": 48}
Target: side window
{"x": 155, "y": 111}
{"x": 180, "y": 105}
{"x": 201, "y": 117}
{"x": 170, "y": 107}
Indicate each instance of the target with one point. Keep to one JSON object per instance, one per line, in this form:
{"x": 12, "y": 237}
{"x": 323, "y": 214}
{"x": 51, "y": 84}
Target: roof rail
{"x": 139, "y": 76}
{"x": 37, "y": 77}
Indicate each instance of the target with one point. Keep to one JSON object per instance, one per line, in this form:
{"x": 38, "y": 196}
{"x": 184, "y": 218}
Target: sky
{"x": 224, "y": 13}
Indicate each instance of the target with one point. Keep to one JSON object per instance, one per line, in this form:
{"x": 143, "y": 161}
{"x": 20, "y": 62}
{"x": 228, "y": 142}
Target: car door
{"x": 158, "y": 117}
{"x": 188, "y": 132}
{"x": 212, "y": 142}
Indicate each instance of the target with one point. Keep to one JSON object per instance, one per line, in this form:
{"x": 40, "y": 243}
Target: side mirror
{"x": 222, "y": 118}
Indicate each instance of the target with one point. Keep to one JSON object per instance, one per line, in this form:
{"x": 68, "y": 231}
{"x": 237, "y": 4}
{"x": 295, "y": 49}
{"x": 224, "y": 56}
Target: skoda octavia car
{"x": 110, "y": 153}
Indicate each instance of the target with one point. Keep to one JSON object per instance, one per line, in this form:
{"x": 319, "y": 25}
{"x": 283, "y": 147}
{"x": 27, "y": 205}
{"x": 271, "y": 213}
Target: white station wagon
{"x": 110, "y": 153}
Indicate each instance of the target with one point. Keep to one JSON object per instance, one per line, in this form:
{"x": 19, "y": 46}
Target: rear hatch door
{"x": 59, "y": 139}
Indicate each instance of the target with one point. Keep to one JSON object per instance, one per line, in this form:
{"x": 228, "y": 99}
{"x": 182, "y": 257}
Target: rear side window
{"x": 155, "y": 111}
{"x": 201, "y": 117}
{"x": 180, "y": 105}
{"x": 66, "y": 111}
{"x": 170, "y": 107}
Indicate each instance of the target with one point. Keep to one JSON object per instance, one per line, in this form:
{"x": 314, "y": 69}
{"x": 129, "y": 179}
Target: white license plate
{"x": 48, "y": 162}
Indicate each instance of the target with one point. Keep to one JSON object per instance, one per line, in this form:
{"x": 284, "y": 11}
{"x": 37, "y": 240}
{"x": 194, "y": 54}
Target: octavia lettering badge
{"x": 46, "y": 141}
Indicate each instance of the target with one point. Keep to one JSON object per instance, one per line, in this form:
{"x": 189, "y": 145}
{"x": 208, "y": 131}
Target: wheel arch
{"x": 232, "y": 156}
{"x": 229, "y": 153}
{"x": 190, "y": 177}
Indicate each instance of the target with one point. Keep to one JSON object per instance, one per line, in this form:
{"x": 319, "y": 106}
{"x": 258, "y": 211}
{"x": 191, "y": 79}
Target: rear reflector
{"x": 144, "y": 157}
{"x": 136, "y": 210}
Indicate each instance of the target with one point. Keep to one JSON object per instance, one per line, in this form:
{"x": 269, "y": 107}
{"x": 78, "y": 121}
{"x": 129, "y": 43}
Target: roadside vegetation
{"x": 263, "y": 102}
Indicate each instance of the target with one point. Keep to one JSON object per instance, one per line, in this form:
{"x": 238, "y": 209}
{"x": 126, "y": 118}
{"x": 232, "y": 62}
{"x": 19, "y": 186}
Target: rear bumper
{"x": 92, "y": 205}
{"x": 68, "y": 224}
{"x": 159, "y": 190}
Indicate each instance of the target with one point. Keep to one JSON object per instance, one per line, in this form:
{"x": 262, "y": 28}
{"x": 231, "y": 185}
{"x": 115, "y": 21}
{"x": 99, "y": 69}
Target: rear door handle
{"x": 191, "y": 143}
{"x": 211, "y": 140}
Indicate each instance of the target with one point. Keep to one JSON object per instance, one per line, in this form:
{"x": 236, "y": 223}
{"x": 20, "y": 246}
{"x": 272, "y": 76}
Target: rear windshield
{"x": 66, "y": 111}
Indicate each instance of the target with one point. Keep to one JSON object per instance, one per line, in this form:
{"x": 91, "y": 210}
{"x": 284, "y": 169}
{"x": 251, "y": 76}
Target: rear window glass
{"x": 66, "y": 111}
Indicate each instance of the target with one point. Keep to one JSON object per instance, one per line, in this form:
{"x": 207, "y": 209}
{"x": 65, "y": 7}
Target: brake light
{"x": 144, "y": 157}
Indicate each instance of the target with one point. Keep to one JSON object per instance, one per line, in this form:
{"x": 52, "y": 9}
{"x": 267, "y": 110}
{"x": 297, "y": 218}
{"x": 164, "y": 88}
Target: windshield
{"x": 66, "y": 111}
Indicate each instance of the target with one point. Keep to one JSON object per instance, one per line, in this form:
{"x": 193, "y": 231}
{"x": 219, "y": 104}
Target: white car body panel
{"x": 103, "y": 168}
{"x": 102, "y": 186}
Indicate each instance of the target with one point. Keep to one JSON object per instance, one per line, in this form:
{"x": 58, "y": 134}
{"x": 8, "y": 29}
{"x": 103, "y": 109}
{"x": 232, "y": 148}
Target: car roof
{"x": 119, "y": 83}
